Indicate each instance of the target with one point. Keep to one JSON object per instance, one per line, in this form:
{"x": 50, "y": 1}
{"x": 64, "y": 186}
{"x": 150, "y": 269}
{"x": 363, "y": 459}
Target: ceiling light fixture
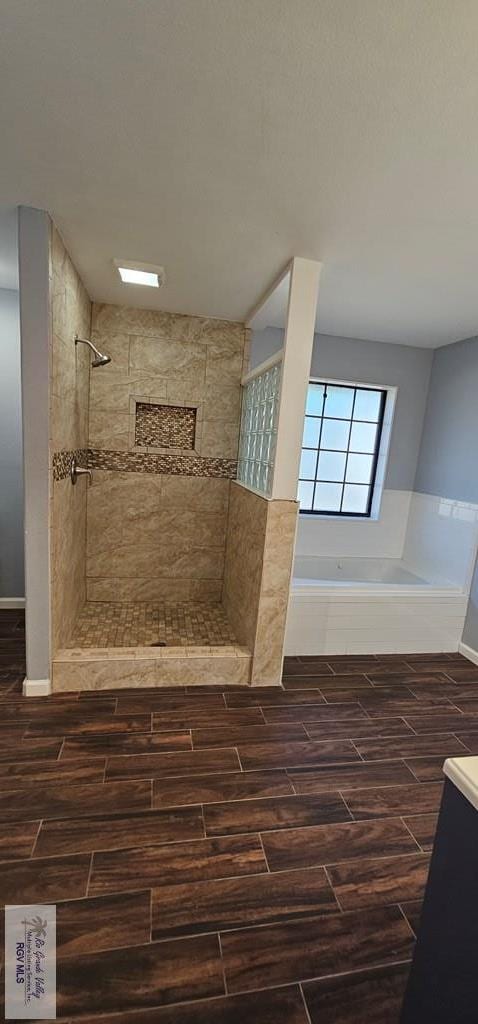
{"x": 140, "y": 273}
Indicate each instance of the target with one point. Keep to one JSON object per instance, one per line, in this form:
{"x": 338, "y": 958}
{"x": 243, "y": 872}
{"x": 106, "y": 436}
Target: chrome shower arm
{"x": 85, "y": 341}
{"x": 100, "y": 358}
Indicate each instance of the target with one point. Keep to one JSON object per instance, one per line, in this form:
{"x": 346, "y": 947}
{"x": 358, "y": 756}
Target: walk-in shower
{"x": 100, "y": 358}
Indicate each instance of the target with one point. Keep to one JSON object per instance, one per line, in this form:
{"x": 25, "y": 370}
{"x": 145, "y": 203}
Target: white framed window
{"x": 342, "y": 442}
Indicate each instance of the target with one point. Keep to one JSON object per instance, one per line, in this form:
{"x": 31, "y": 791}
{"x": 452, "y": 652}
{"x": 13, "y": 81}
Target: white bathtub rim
{"x": 305, "y": 588}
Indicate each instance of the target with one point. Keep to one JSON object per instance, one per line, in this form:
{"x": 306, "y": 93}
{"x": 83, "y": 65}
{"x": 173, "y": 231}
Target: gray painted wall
{"x": 34, "y": 263}
{"x": 11, "y": 468}
{"x": 400, "y": 366}
{"x": 470, "y": 631}
{"x": 447, "y": 463}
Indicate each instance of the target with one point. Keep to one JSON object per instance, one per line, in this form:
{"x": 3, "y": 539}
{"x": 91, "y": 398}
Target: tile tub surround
{"x": 442, "y": 538}
{"x": 439, "y": 546}
{"x": 333, "y": 537}
{"x": 272, "y": 891}
{"x": 356, "y": 620}
{"x": 157, "y": 521}
{"x": 70, "y": 310}
{"x": 259, "y": 554}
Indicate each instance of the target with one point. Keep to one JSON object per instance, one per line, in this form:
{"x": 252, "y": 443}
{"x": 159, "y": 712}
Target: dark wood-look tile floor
{"x": 229, "y": 856}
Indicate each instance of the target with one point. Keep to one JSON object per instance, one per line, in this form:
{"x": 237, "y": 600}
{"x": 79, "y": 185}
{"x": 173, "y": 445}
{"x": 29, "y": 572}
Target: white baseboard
{"x": 36, "y": 687}
{"x": 12, "y": 602}
{"x": 468, "y": 652}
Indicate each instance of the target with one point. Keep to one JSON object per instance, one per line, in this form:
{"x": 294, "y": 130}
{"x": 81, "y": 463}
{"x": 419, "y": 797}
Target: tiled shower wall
{"x": 70, "y": 310}
{"x": 157, "y": 515}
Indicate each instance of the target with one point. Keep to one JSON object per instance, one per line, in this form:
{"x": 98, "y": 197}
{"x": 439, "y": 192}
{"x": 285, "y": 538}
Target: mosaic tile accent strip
{"x": 167, "y": 623}
{"x": 174, "y": 465}
{"x": 61, "y": 462}
{"x": 164, "y": 426}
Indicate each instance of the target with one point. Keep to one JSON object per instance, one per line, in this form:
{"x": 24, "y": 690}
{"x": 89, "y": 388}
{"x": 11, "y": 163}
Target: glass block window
{"x": 342, "y": 431}
{"x": 257, "y": 445}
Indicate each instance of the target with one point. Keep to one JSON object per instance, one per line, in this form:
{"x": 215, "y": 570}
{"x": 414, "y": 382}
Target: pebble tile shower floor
{"x": 231, "y": 856}
{"x": 135, "y": 624}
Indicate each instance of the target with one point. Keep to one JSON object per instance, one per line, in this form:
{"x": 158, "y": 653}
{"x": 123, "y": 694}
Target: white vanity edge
{"x": 463, "y": 772}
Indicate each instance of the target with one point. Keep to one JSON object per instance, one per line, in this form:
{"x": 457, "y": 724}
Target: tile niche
{"x": 160, "y": 427}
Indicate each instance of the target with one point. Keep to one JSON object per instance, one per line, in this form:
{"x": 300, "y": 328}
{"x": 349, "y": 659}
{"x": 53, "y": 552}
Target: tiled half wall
{"x": 259, "y": 556}
{"x": 156, "y": 524}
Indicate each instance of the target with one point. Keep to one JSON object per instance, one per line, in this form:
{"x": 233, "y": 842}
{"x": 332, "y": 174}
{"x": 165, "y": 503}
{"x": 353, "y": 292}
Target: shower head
{"x": 100, "y": 358}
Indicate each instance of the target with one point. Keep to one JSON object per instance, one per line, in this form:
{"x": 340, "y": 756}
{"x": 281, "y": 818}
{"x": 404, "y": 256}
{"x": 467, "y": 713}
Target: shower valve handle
{"x": 76, "y": 471}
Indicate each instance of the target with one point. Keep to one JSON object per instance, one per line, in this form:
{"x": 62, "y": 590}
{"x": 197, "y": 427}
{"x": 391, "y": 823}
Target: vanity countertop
{"x": 463, "y": 772}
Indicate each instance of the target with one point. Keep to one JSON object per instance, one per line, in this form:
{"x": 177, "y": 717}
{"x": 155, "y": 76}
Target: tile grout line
{"x": 264, "y": 853}
{"x": 362, "y": 758}
{"x": 223, "y": 965}
{"x": 306, "y": 1008}
{"x": 457, "y": 738}
{"x": 241, "y": 766}
{"x": 347, "y": 806}
{"x": 402, "y": 819}
{"x": 35, "y": 841}
{"x": 90, "y": 871}
{"x": 407, "y": 922}
{"x": 332, "y": 887}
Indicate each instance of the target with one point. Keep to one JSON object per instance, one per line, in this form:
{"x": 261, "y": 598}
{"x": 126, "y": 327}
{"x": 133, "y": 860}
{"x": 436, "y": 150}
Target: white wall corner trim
{"x": 296, "y": 361}
{"x": 468, "y": 652}
{"x": 36, "y": 687}
{"x": 12, "y": 602}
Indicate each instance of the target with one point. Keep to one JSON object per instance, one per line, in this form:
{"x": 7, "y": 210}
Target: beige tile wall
{"x": 246, "y": 534}
{"x": 258, "y": 567}
{"x": 69, "y": 384}
{"x": 274, "y": 599}
{"x": 152, "y": 537}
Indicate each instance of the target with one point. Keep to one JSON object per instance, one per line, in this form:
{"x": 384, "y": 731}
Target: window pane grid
{"x": 340, "y": 480}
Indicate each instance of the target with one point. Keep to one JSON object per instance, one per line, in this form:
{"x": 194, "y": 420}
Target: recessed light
{"x": 140, "y": 273}
{"x": 138, "y": 277}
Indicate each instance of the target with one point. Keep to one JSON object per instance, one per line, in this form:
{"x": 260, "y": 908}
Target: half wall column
{"x": 263, "y": 506}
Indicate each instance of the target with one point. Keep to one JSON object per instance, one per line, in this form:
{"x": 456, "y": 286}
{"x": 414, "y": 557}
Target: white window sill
{"x": 339, "y": 519}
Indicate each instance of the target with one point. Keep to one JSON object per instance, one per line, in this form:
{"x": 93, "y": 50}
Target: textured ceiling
{"x": 221, "y": 137}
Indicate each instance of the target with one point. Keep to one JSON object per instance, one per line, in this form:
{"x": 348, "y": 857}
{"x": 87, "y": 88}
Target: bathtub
{"x": 370, "y": 606}
{"x": 347, "y": 571}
